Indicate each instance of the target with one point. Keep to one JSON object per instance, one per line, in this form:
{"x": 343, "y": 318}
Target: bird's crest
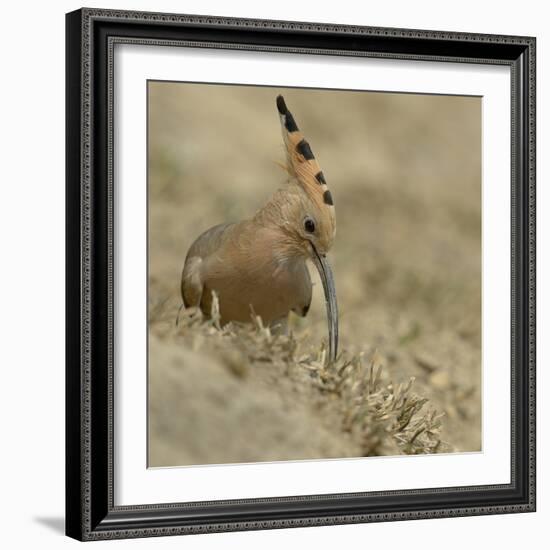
{"x": 301, "y": 163}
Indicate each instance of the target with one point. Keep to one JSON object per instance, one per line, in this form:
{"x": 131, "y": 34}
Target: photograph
{"x": 314, "y": 274}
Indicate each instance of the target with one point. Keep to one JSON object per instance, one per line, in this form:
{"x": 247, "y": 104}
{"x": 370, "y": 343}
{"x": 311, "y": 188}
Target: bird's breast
{"x": 250, "y": 277}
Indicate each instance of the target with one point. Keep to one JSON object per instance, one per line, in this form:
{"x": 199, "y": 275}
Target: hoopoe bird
{"x": 258, "y": 266}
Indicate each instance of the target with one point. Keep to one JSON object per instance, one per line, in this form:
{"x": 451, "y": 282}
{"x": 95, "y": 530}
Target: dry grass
{"x": 352, "y": 396}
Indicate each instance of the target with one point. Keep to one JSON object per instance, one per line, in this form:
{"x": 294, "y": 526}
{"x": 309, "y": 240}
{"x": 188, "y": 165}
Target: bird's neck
{"x": 273, "y": 222}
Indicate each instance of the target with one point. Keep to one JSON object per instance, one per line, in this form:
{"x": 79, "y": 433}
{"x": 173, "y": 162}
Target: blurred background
{"x": 405, "y": 174}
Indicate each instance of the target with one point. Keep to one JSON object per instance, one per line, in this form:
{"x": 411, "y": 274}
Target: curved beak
{"x": 327, "y": 278}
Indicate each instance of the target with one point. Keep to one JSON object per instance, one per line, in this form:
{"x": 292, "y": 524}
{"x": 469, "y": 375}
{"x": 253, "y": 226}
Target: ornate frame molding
{"x": 91, "y": 36}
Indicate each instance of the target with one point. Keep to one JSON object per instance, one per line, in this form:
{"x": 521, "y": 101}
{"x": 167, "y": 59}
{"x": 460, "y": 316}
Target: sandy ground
{"x": 405, "y": 174}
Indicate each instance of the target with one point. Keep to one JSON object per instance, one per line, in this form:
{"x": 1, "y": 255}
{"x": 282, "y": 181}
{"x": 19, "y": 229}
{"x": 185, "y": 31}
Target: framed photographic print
{"x": 300, "y": 274}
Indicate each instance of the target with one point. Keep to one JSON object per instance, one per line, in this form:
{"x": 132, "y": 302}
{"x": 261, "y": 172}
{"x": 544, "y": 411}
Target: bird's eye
{"x": 309, "y": 225}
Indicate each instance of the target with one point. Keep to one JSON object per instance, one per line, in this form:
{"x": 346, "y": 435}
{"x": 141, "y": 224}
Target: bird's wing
{"x": 304, "y": 301}
{"x": 192, "y": 283}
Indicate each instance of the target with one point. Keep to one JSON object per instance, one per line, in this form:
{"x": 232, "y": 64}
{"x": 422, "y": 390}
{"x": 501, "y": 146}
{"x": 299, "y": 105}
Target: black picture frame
{"x": 90, "y": 510}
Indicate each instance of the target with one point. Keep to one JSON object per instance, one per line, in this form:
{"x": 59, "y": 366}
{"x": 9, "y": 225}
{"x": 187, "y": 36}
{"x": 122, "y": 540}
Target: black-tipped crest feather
{"x": 281, "y": 105}
{"x": 305, "y": 150}
{"x": 327, "y": 197}
{"x": 290, "y": 123}
{"x": 320, "y": 177}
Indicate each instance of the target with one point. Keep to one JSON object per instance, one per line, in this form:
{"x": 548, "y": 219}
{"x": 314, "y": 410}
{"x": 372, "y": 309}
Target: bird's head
{"x": 310, "y": 226}
{"x": 307, "y": 212}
